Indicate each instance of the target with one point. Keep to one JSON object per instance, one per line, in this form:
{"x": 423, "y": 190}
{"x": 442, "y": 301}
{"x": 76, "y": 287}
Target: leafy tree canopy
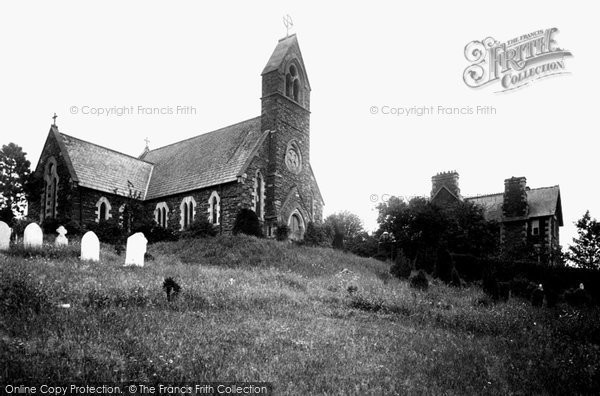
{"x": 14, "y": 174}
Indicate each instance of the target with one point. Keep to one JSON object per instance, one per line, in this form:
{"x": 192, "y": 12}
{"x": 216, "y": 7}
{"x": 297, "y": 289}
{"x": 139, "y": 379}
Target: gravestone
{"x": 61, "y": 239}
{"x": 5, "y": 232}
{"x": 33, "y": 237}
{"x": 136, "y": 249}
{"x": 90, "y": 247}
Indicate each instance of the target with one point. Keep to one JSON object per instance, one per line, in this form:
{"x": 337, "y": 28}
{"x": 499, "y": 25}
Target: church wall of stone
{"x": 233, "y": 197}
{"x": 66, "y": 199}
{"x": 289, "y": 121}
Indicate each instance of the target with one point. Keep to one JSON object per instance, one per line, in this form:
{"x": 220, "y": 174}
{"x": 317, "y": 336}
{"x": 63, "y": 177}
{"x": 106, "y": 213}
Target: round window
{"x": 293, "y": 157}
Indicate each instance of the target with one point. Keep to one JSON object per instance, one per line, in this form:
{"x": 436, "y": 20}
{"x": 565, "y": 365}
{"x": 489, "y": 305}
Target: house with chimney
{"x": 527, "y": 216}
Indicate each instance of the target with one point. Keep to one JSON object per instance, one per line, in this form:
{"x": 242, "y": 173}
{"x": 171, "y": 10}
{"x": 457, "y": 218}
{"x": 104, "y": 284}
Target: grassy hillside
{"x": 258, "y": 310}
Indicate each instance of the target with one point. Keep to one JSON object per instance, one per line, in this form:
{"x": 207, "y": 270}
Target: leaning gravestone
{"x": 33, "y": 237}
{"x": 90, "y": 247}
{"x": 4, "y": 236}
{"x": 61, "y": 239}
{"x": 136, "y": 249}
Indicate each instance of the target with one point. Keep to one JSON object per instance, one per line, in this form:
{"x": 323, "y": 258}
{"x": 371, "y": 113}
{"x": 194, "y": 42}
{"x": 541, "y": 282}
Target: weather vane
{"x": 288, "y": 23}
{"x": 54, "y": 119}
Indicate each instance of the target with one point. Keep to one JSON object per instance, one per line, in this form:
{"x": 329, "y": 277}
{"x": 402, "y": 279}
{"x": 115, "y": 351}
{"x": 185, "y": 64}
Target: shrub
{"x": 537, "y": 297}
{"x": 18, "y": 226}
{"x": 200, "y": 228}
{"x": 444, "y": 265}
{"x": 283, "y": 232}
{"x": 455, "y": 278}
{"x": 419, "y": 281}
{"x": 107, "y": 232}
{"x": 338, "y": 240}
{"x": 6, "y": 215}
{"x": 246, "y": 222}
{"x": 73, "y": 228}
{"x": 50, "y": 225}
{"x": 315, "y": 235}
{"x": 402, "y": 267}
{"x": 551, "y": 290}
{"x": 522, "y": 287}
{"x": 490, "y": 285}
{"x": 577, "y": 297}
{"x": 160, "y": 234}
{"x": 503, "y": 291}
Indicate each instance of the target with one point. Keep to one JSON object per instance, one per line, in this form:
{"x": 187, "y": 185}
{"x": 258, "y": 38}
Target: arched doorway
{"x": 296, "y": 224}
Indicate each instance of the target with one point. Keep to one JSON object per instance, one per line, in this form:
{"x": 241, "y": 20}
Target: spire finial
{"x": 288, "y": 23}
{"x": 147, "y": 143}
{"x": 54, "y": 119}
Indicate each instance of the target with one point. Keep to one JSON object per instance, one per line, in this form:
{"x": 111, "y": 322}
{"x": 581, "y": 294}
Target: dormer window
{"x": 292, "y": 83}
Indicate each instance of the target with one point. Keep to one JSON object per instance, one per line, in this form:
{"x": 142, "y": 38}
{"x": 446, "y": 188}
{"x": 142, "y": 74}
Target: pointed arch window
{"x": 50, "y": 199}
{"x": 259, "y": 196}
{"x": 161, "y": 214}
{"x": 188, "y": 212}
{"x": 103, "y": 208}
{"x": 292, "y": 83}
{"x": 214, "y": 208}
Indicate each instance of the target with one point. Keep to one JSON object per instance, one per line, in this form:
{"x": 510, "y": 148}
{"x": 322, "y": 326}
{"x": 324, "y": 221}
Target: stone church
{"x": 262, "y": 164}
{"x": 525, "y": 215}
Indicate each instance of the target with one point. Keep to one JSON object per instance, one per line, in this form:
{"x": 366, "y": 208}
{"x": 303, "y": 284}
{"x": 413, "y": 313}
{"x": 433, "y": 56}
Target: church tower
{"x": 292, "y": 194}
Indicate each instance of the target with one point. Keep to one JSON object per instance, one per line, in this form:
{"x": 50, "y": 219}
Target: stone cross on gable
{"x": 147, "y": 142}
{"x": 54, "y": 119}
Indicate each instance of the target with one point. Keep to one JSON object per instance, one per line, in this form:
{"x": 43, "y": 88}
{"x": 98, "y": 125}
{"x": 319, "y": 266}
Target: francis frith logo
{"x": 514, "y": 63}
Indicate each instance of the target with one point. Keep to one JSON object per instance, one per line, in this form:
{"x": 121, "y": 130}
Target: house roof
{"x": 104, "y": 169}
{"x": 206, "y": 160}
{"x": 544, "y": 201}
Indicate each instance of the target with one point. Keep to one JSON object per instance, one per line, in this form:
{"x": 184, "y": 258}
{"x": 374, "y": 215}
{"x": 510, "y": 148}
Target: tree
{"x": 14, "y": 174}
{"x": 585, "y": 251}
{"x": 246, "y": 222}
{"x": 316, "y": 235}
{"x": 343, "y": 227}
{"x": 421, "y": 228}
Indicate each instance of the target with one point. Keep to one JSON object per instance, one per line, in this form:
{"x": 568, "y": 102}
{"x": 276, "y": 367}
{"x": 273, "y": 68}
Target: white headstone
{"x": 136, "y": 249}
{"x": 61, "y": 239}
{"x": 4, "y": 236}
{"x": 90, "y": 247}
{"x": 33, "y": 237}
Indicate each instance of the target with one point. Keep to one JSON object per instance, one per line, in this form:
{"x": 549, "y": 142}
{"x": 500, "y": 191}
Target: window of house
{"x": 535, "y": 227}
{"x": 161, "y": 214}
{"x": 103, "y": 210}
{"x": 188, "y": 212}
{"x": 214, "y": 208}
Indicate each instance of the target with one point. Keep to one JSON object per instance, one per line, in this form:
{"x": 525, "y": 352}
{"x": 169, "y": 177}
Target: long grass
{"x": 310, "y": 320}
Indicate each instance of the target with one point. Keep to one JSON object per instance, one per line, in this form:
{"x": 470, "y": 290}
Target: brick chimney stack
{"x": 515, "y": 198}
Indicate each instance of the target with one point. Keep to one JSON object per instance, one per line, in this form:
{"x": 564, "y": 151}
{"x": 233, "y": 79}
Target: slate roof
{"x": 206, "y": 160}
{"x": 544, "y": 201}
{"x": 104, "y": 169}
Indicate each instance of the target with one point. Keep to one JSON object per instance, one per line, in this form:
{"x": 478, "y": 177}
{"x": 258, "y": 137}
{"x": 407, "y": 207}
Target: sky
{"x": 363, "y": 60}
